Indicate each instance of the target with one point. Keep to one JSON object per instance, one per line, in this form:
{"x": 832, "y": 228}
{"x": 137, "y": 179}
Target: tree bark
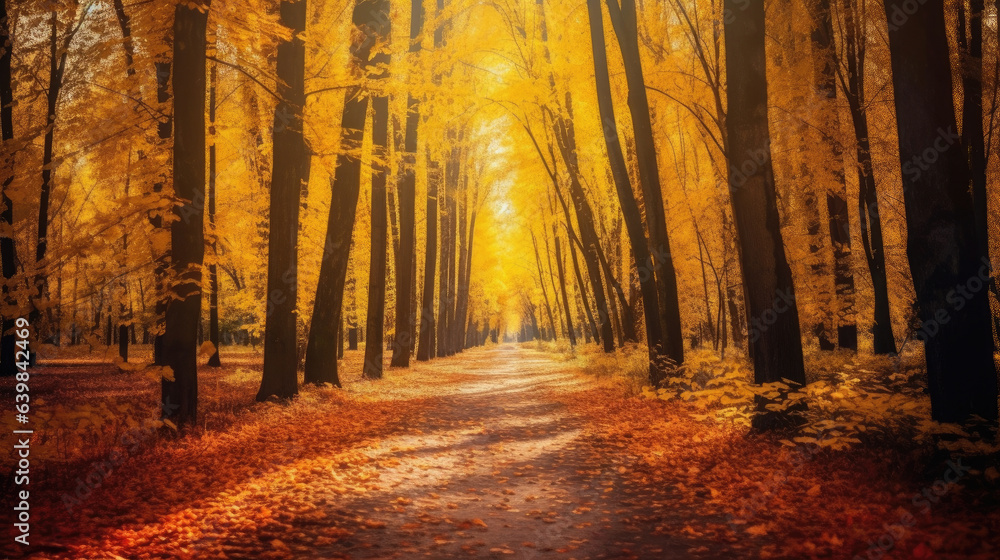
{"x": 213, "y": 272}
{"x": 638, "y": 242}
{"x": 8, "y": 249}
{"x": 623, "y": 19}
{"x": 425, "y": 350}
{"x": 376, "y": 279}
{"x": 884, "y": 341}
{"x": 187, "y": 236}
{"x": 406, "y": 319}
{"x": 775, "y": 341}
{"x": 290, "y": 173}
{"x": 942, "y": 239}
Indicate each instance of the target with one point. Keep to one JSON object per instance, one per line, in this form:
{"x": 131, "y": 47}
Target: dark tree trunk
{"x": 884, "y": 340}
{"x": 371, "y": 20}
{"x": 942, "y": 239}
{"x": 838, "y": 214}
{"x": 460, "y": 320}
{"x": 582, "y": 288}
{"x": 973, "y": 139}
{"x": 376, "y": 279}
{"x": 630, "y": 207}
{"x": 775, "y": 340}
{"x": 187, "y": 235}
{"x": 425, "y": 349}
{"x": 290, "y": 172}
{"x": 57, "y": 70}
{"x": 406, "y": 319}
{"x": 446, "y": 248}
{"x": 541, "y": 282}
{"x": 565, "y": 297}
{"x": 213, "y": 272}
{"x": 320, "y": 365}
{"x": 623, "y": 19}
{"x": 8, "y": 257}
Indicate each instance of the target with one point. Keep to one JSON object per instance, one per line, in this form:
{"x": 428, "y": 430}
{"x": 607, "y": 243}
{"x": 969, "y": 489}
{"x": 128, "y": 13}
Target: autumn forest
{"x": 500, "y": 278}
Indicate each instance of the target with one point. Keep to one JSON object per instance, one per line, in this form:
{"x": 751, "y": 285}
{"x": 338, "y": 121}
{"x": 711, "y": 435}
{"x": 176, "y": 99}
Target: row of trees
{"x": 645, "y": 188}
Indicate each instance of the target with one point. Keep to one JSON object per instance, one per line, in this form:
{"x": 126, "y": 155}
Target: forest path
{"x": 498, "y": 468}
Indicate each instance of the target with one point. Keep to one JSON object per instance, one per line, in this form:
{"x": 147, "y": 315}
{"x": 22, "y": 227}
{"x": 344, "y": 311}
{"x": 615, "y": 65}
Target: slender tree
{"x": 852, "y": 80}
{"x": 623, "y": 20}
{"x": 942, "y": 241}
{"x": 775, "y": 340}
{"x": 7, "y": 247}
{"x": 213, "y": 268}
{"x": 371, "y": 20}
{"x": 290, "y": 173}
{"x": 626, "y": 199}
{"x": 374, "y": 335}
{"x": 187, "y": 235}
{"x": 406, "y": 320}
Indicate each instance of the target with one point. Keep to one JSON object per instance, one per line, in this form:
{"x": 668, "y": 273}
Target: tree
{"x": 7, "y": 247}
{"x": 58, "y": 55}
{"x": 942, "y": 241}
{"x": 406, "y": 321}
{"x": 213, "y": 269}
{"x": 291, "y": 172}
{"x": 775, "y": 341}
{"x": 623, "y": 19}
{"x": 187, "y": 235}
{"x": 626, "y": 199}
{"x": 371, "y": 18}
{"x": 852, "y": 80}
{"x": 374, "y": 335}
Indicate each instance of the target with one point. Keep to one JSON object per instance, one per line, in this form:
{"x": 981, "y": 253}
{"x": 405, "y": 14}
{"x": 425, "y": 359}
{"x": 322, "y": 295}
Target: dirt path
{"x": 498, "y": 469}
{"x": 495, "y": 467}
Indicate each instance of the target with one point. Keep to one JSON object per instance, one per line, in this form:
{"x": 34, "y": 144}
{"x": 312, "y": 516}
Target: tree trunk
{"x": 630, "y": 207}
{"x": 973, "y": 139}
{"x": 942, "y": 240}
{"x": 376, "y": 278}
{"x": 623, "y": 20}
{"x": 565, "y": 297}
{"x": 406, "y": 319}
{"x": 425, "y": 350}
{"x": 213, "y": 272}
{"x": 290, "y": 172}
{"x": 8, "y": 367}
{"x": 187, "y": 235}
{"x": 321, "y": 364}
{"x": 371, "y": 21}
{"x": 838, "y": 214}
{"x": 775, "y": 340}
{"x": 884, "y": 341}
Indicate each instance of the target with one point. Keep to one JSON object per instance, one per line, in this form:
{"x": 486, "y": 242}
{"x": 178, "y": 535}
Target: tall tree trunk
{"x": 406, "y": 319}
{"x": 376, "y": 279}
{"x": 623, "y": 19}
{"x": 213, "y": 272}
{"x": 290, "y": 173}
{"x": 942, "y": 240}
{"x": 8, "y": 249}
{"x": 541, "y": 282}
{"x": 562, "y": 286}
{"x": 582, "y": 289}
{"x": 884, "y": 341}
{"x": 57, "y": 70}
{"x": 838, "y": 214}
{"x": 446, "y": 248}
{"x": 973, "y": 139}
{"x": 638, "y": 242}
{"x": 775, "y": 341}
{"x": 425, "y": 350}
{"x": 187, "y": 233}
{"x": 371, "y": 20}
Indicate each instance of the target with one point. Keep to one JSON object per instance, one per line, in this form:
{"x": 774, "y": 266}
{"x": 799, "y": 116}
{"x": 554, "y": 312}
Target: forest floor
{"x": 506, "y": 452}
